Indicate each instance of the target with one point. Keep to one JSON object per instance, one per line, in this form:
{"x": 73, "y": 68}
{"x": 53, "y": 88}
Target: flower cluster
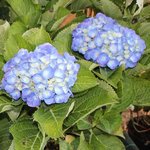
{"x": 42, "y": 75}
{"x": 107, "y": 43}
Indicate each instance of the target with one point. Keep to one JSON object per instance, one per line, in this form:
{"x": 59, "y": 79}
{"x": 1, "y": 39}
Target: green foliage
{"x": 138, "y": 91}
{"x": 19, "y": 39}
{"x": 85, "y": 80}
{"x": 105, "y": 142}
{"x": 95, "y": 98}
{"x": 91, "y": 119}
{"x": 110, "y": 123}
{"x": 26, "y": 135}
{"x": 64, "y": 44}
{"x": 84, "y": 123}
{"x": 4, "y": 27}
{"x": 6, "y": 104}
{"x": 133, "y": 91}
{"x": 78, "y": 5}
{"x": 5, "y": 137}
{"x": 111, "y": 76}
{"x": 36, "y": 36}
{"x": 51, "y": 119}
{"x": 107, "y": 7}
{"x": 83, "y": 144}
{"x": 13, "y": 44}
{"x": 17, "y": 28}
{"x": 25, "y": 10}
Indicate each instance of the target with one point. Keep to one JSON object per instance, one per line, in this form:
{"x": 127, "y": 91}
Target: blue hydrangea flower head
{"x": 102, "y": 40}
{"x": 41, "y": 75}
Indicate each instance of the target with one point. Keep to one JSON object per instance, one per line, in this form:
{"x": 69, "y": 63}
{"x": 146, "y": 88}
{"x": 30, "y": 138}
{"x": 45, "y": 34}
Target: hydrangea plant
{"x": 41, "y": 75}
{"x": 68, "y": 71}
{"x": 107, "y": 43}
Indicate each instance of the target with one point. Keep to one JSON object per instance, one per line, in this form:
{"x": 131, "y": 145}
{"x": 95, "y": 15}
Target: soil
{"x": 137, "y": 125}
{"x": 139, "y": 131}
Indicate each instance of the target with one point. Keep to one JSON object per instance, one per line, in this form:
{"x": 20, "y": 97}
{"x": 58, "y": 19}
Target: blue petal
{"x": 15, "y": 94}
{"x": 103, "y": 59}
{"x": 37, "y": 78}
{"x": 58, "y": 90}
{"x": 11, "y": 79}
{"x": 130, "y": 64}
{"x": 59, "y": 73}
{"x": 91, "y": 45}
{"x": 9, "y": 88}
{"x": 47, "y": 73}
{"x": 92, "y": 33}
{"x": 25, "y": 79}
{"x": 47, "y": 94}
{"x": 25, "y": 93}
{"x": 112, "y": 64}
{"x": 49, "y": 101}
{"x": 113, "y": 48}
{"x": 33, "y": 100}
{"x": 98, "y": 41}
{"x": 62, "y": 98}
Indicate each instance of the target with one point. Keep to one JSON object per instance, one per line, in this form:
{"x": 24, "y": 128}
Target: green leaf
{"x": 41, "y": 2}
{"x": 12, "y": 146}
{"x": 51, "y": 118}
{"x": 13, "y": 44}
{"x": 83, "y": 144}
{"x": 85, "y": 80}
{"x": 28, "y": 12}
{"x": 5, "y": 137}
{"x": 144, "y": 28}
{"x": 61, "y": 3}
{"x": 61, "y": 12}
{"x": 88, "y": 64}
{"x": 63, "y": 145}
{"x": 95, "y": 98}
{"x": 14, "y": 112}
{"x": 6, "y": 104}
{"x": 111, "y": 76}
{"x": 26, "y": 135}
{"x": 57, "y": 23}
{"x": 78, "y": 5}
{"x": 46, "y": 17}
{"x": 140, "y": 91}
{"x": 17, "y": 28}
{"x": 36, "y": 36}
{"x": 128, "y": 3}
{"x": 133, "y": 91}
{"x": 144, "y": 32}
{"x": 145, "y": 12}
{"x": 1, "y": 71}
{"x": 84, "y": 124}
{"x": 4, "y": 27}
{"x": 110, "y": 123}
{"x": 107, "y": 7}
{"x": 105, "y": 142}
{"x": 63, "y": 39}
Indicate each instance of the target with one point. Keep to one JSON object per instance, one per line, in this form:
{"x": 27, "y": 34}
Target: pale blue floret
{"x": 9, "y": 88}
{"x": 107, "y": 43}
{"x": 41, "y": 75}
{"x": 15, "y": 94}
{"x": 103, "y": 59}
{"x": 47, "y": 73}
{"x": 37, "y": 78}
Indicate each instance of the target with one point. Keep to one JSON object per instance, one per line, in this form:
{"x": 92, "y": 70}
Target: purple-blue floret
{"x": 102, "y": 40}
{"x": 41, "y": 75}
